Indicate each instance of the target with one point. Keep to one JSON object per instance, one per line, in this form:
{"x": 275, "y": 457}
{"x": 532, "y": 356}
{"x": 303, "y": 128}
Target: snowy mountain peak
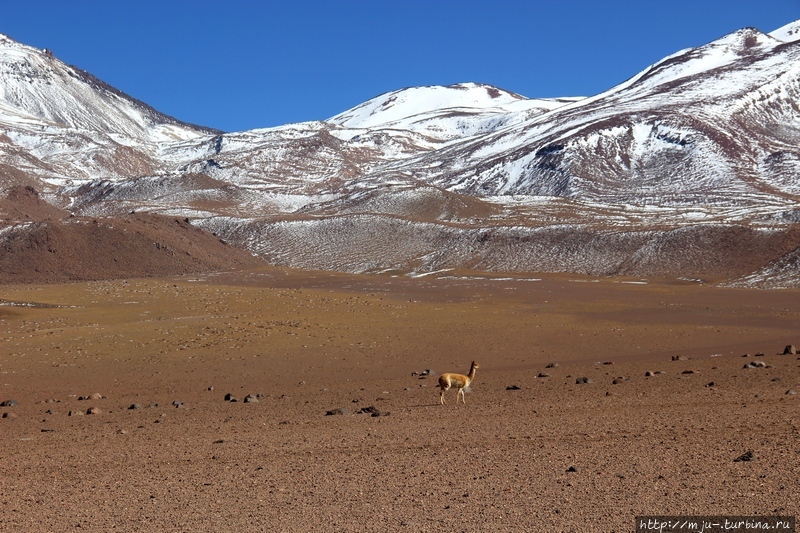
{"x": 789, "y": 33}
{"x": 36, "y": 87}
{"x": 411, "y": 102}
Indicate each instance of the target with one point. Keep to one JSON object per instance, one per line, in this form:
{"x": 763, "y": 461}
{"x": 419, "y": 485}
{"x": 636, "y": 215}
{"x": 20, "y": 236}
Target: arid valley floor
{"x": 532, "y": 449}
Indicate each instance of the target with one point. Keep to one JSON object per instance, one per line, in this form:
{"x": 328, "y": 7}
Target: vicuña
{"x": 459, "y": 381}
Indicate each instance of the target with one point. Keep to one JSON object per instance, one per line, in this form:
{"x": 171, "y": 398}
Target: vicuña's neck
{"x": 471, "y": 374}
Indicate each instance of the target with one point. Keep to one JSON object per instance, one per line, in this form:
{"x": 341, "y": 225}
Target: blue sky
{"x": 237, "y": 65}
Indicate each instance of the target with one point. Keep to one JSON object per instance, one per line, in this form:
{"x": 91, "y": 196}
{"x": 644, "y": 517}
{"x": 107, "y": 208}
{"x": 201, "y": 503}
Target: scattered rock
{"x": 338, "y": 411}
{"x": 746, "y": 456}
{"x": 572, "y": 469}
{"x": 543, "y": 375}
{"x": 617, "y": 381}
{"x": 775, "y": 379}
{"x": 760, "y": 354}
{"x": 371, "y": 410}
{"x": 746, "y": 355}
{"x": 8, "y": 403}
{"x": 649, "y": 374}
{"x": 790, "y": 350}
{"x": 513, "y": 387}
{"x": 791, "y": 392}
{"x": 94, "y": 411}
{"x": 50, "y": 412}
{"x": 250, "y": 398}
{"x": 230, "y": 398}
{"x": 552, "y": 365}
{"x": 9, "y": 415}
{"x": 96, "y": 396}
{"x": 608, "y": 362}
{"x": 582, "y": 380}
{"x": 711, "y": 384}
{"x": 755, "y": 364}
{"x": 178, "y": 404}
{"x": 688, "y": 372}
{"x": 679, "y": 358}
{"x": 75, "y": 413}
{"x": 134, "y": 406}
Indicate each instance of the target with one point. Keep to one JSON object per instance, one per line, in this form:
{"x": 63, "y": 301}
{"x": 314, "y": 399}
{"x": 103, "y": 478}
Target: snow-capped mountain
{"x": 689, "y": 168}
{"x": 61, "y": 123}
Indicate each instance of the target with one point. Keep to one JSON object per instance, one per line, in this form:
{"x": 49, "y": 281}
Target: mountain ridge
{"x": 701, "y": 144}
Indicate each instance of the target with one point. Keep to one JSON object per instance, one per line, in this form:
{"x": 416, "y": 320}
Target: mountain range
{"x": 689, "y": 169}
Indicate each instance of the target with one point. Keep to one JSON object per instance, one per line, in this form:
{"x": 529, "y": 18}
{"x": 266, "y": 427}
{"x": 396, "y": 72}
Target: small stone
{"x": 678, "y": 358}
{"x": 608, "y": 362}
{"x": 791, "y": 392}
{"x": 93, "y": 411}
{"x": 230, "y": 398}
{"x": 582, "y": 380}
{"x": 513, "y": 387}
{"x": 75, "y": 413}
{"x": 96, "y": 396}
{"x": 552, "y": 365}
{"x": 250, "y": 398}
{"x": 8, "y": 403}
{"x": 49, "y": 412}
{"x": 760, "y": 354}
{"x": 775, "y": 379}
{"x": 543, "y": 375}
{"x": 790, "y": 350}
{"x": 711, "y": 384}
{"x": 338, "y": 411}
{"x": 122, "y": 431}
{"x": 134, "y": 406}
{"x": 746, "y": 456}
{"x": 649, "y": 374}
{"x": 572, "y": 469}
{"x": 9, "y": 415}
{"x": 688, "y": 372}
{"x": 616, "y": 381}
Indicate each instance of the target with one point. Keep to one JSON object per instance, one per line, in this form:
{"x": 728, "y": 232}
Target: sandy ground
{"x": 552, "y": 455}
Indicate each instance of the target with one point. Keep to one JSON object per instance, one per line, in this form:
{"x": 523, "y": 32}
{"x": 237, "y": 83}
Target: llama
{"x": 459, "y": 381}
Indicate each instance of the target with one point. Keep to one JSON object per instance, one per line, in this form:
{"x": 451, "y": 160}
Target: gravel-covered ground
{"x": 532, "y": 449}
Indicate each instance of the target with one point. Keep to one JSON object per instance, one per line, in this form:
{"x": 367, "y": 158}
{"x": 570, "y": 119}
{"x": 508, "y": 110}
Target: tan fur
{"x": 459, "y": 381}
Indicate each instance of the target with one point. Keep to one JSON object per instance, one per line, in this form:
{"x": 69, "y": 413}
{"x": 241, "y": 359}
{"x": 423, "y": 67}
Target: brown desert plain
{"x": 666, "y": 409}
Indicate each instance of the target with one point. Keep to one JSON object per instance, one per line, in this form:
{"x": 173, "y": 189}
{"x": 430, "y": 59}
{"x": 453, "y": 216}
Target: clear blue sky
{"x": 237, "y": 65}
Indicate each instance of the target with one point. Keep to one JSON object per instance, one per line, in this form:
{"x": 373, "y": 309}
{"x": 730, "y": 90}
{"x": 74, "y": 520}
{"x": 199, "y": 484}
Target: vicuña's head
{"x": 475, "y": 364}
